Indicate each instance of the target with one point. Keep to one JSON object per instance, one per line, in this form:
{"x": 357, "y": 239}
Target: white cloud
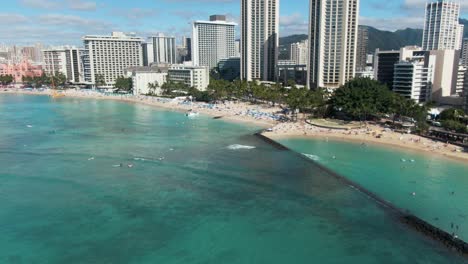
{"x": 82, "y": 5}
{"x": 293, "y": 24}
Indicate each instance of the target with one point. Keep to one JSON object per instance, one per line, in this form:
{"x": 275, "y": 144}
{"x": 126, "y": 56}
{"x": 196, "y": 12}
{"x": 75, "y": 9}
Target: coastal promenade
{"x": 269, "y": 117}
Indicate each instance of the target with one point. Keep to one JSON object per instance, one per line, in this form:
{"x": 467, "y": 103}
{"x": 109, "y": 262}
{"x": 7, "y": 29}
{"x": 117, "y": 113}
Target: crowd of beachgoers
{"x": 272, "y": 118}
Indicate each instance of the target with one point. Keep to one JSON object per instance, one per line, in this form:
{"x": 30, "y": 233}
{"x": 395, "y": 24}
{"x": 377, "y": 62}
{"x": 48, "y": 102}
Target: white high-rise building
{"x": 54, "y": 61}
{"x": 148, "y": 53}
{"x": 164, "y": 49}
{"x": 441, "y": 27}
{"x": 333, "y": 30}
{"x": 464, "y": 53}
{"x": 109, "y": 56}
{"x": 459, "y": 39}
{"x": 66, "y": 60}
{"x": 259, "y": 39}
{"x": 300, "y": 52}
{"x": 212, "y": 41}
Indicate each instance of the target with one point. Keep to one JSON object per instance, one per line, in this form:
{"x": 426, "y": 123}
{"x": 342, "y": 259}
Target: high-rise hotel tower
{"x": 442, "y": 30}
{"x": 333, "y": 30}
{"x": 259, "y": 39}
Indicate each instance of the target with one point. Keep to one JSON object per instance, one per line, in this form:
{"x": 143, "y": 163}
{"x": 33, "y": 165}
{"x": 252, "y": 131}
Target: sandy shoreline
{"x": 266, "y": 117}
{"x": 366, "y": 135}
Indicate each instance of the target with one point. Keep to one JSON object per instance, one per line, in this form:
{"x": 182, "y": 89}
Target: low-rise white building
{"x": 193, "y": 76}
{"x": 144, "y": 77}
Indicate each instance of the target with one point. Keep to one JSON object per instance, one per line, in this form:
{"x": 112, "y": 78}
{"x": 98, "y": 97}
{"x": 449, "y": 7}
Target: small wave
{"x": 237, "y": 147}
{"x": 312, "y": 157}
{"x": 141, "y": 159}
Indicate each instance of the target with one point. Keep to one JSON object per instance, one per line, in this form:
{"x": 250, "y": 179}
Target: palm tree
{"x": 152, "y": 88}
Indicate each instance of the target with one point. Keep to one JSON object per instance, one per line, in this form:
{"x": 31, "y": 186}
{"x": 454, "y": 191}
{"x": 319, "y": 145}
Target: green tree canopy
{"x": 124, "y": 84}
{"x": 362, "y": 98}
{"x": 6, "y": 79}
{"x": 454, "y": 114}
{"x": 100, "y": 80}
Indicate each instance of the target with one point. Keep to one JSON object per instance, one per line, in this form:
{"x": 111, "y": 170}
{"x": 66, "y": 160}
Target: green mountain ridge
{"x": 378, "y": 39}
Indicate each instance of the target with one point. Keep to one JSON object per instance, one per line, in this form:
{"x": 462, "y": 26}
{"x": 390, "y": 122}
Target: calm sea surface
{"x": 195, "y": 193}
{"x": 439, "y": 185}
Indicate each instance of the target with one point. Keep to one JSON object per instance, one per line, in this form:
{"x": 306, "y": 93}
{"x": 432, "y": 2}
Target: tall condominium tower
{"x": 259, "y": 39}
{"x": 333, "y": 29}
{"x": 212, "y": 41}
{"x": 164, "y": 49}
{"x": 107, "y": 57}
{"x": 441, "y": 28}
{"x": 361, "y": 52}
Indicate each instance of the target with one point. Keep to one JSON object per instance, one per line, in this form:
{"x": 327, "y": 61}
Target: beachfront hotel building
{"x": 20, "y": 70}
{"x": 259, "y": 39}
{"x": 144, "y": 77}
{"x": 300, "y": 52}
{"x": 213, "y": 40}
{"x": 164, "y": 49}
{"x": 442, "y": 30}
{"x": 333, "y": 29}
{"x": 193, "y": 76}
{"x": 109, "y": 56}
{"x": 66, "y": 60}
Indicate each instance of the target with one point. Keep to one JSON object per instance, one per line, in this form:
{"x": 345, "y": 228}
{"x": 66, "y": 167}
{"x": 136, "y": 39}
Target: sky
{"x": 64, "y": 22}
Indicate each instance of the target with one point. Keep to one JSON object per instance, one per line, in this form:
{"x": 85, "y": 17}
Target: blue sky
{"x": 57, "y": 22}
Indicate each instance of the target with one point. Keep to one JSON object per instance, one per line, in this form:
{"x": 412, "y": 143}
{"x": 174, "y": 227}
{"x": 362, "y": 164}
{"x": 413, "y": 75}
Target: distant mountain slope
{"x": 384, "y": 40}
{"x": 285, "y": 42}
{"x": 387, "y": 40}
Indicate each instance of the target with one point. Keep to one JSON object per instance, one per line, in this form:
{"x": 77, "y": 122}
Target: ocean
{"x": 97, "y": 181}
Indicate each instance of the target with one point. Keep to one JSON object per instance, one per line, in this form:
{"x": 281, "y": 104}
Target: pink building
{"x": 21, "y": 69}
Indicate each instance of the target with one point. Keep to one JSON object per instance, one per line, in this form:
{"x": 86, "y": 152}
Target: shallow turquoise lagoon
{"x": 192, "y": 195}
{"x": 440, "y": 185}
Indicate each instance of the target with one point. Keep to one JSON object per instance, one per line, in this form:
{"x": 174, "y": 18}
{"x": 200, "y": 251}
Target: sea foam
{"x": 237, "y": 147}
{"x": 312, "y": 157}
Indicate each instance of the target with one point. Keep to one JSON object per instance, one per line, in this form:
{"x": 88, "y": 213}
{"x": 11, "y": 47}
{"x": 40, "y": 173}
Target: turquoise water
{"x": 64, "y": 201}
{"x": 440, "y": 184}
